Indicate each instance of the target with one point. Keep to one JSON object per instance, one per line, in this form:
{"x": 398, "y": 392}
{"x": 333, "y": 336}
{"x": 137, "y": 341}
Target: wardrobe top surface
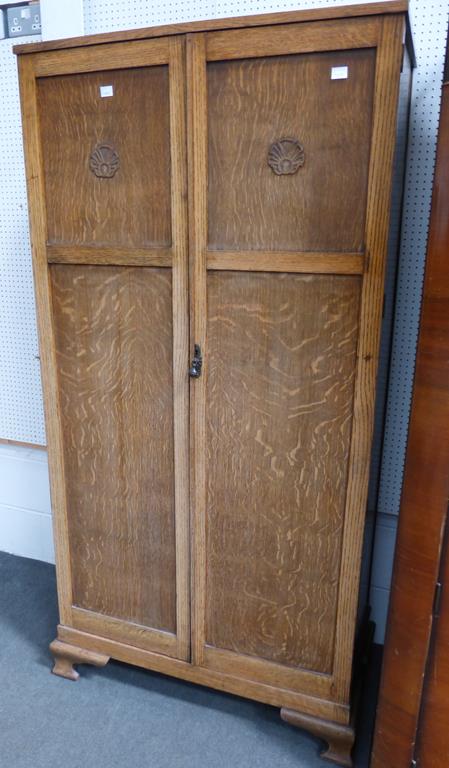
{"x": 266, "y": 19}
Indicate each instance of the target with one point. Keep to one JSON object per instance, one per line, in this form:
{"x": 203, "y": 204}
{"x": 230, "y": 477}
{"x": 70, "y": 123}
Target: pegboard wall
{"x": 429, "y": 24}
{"x": 21, "y": 410}
{"x": 20, "y": 391}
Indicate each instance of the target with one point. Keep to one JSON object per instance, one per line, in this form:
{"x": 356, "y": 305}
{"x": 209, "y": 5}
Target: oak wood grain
{"x": 281, "y": 364}
{"x": 85, "y": 59}
{"x": 126, "y": 254}
{"x": 197, "y": 168}
{"x": 252, "y": 689}
{"x": 132, "y": 207}
{"x": 292, "y": 38}
{"x": 388, "y": 67}
{"x": 114, "y": 348}
{"x": 180, "y": 314}
{"x": 250, "y": 207}
{"x": 281, "y": 416}
{"x": 342, "y": 263}
{"x": 380, "y": 146}
{"x": 269, "y": 673}
{"x": 339, "y": 738}
{"x": 67, "y": 656}
{"x": 149, "y": 639}
{"x": 123, "y": 256}
{"x": 48, "y": 363}
{"x": 265, "y": 19}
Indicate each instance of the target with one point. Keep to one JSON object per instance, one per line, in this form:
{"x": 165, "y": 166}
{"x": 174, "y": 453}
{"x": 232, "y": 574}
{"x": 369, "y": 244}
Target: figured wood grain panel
{"x": 253, "y": 103}
{"x": 114, "y": 349}
{"x": 280, "y": 378}
{"x": 133, "y": 207}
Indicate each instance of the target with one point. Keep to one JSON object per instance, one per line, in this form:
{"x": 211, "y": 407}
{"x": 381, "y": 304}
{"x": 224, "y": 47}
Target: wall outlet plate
{"x": 24, "y": 20}
{"x": 2, "y": 24}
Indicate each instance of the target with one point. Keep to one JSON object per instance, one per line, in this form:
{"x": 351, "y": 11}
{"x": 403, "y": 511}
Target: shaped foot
{"x": 340, "y": 738}
{"x": 66, "y": 656}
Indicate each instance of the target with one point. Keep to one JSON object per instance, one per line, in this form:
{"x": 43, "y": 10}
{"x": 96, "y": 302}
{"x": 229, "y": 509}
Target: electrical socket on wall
{"x": 24, "y": 20}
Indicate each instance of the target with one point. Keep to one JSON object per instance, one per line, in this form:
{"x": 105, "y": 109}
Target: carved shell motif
{"x": 285, "y": 156}
{"x": 104, "y": 161}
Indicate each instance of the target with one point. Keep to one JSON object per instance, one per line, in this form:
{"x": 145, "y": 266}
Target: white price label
{"x": 106, "y": 90}
{"x": 339, "y": 73}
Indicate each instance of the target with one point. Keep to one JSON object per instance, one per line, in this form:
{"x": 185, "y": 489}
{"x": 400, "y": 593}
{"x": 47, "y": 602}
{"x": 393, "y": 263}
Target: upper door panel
{"x": 107, "y": 157}
{"x": 289, "y": 147}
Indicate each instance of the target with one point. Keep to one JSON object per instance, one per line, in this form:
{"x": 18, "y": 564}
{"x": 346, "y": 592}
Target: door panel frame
{"x": 142, "y": 53}
{"x": 171, "y": 52}
{"x": 386, "y": 35}
{"x": 308, "y": 37}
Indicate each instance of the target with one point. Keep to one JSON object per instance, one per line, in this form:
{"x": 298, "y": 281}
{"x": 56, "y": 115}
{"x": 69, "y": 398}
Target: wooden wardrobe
{"x": 209, "y": 207}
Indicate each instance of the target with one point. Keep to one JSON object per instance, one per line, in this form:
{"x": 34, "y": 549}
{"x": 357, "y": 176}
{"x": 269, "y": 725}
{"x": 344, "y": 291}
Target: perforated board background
{"x": 20, "y": 392}
{"x": 429, "y": 22}
{"x": 21, "y": 411}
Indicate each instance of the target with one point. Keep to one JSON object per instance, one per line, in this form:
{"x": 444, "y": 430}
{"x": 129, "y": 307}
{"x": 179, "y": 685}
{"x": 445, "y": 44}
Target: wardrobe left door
{"x": 104, "y": 131}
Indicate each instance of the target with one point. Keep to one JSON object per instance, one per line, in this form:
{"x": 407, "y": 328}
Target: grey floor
{"x": 121, "y": 716}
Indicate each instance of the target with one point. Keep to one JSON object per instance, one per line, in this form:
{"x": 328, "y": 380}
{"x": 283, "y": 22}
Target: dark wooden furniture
{"x": 214, "y": 196}
{"x": 413, "y": 711}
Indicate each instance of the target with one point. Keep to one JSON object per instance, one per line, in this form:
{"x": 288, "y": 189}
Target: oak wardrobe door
{"x": 106, "y": 150}
{"x": 291, "y": 140}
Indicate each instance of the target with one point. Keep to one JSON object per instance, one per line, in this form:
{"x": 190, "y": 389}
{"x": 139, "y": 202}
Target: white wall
{"x": 25, "y": 512}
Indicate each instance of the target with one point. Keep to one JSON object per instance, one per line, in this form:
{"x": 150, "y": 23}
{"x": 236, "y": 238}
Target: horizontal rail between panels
{"x": 132, "y": 257}
{"x": 310, "y": 682}
{"x": 316, "y": 262}
{"x": 117, "y": 629}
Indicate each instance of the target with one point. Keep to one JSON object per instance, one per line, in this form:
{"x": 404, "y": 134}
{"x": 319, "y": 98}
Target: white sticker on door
{"x": 106, "y": 90}
{"x": 339, "y": 73}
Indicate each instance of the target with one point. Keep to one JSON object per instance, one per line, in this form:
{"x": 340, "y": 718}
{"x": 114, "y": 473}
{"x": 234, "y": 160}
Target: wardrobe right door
{"x": 292, "y": 133}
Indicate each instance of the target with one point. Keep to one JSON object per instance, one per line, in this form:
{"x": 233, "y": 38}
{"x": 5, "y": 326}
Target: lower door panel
{"x": 281, "y": 352}
{"x": 113, "y": 330}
